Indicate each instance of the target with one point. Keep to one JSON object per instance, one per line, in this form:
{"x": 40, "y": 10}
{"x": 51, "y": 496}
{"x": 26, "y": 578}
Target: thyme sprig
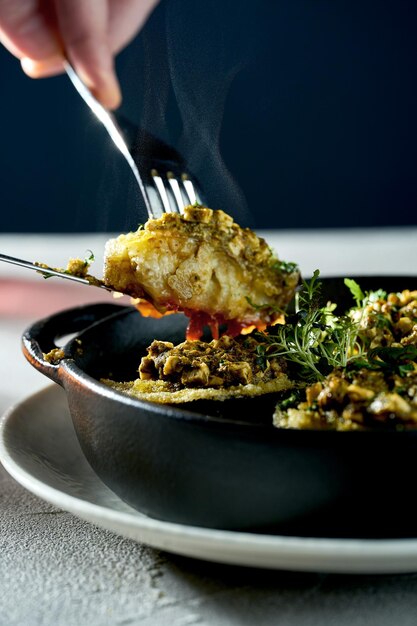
{"x": 313, "y": 340}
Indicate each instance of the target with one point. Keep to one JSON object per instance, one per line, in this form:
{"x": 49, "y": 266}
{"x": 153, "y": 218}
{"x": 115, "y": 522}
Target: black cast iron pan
{"x": 223, "y": 465}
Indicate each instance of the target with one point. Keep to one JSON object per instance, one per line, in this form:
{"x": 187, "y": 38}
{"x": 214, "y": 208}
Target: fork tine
{"x": 175, "y": 186}
{"x": 159, "y": 184}
{"x": 189, "y": 188}
{"x": 172, "y": 191}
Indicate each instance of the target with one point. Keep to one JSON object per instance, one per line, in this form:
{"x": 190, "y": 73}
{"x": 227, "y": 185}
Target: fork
{"x": 159, "y": 170}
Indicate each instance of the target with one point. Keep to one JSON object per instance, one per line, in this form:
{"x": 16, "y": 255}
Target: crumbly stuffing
{"x": 193, "y": 370}
{"x": 355, "y": 401}
{"x": 204, "y": 264}
{"x": 75, "y": 267}
{"x": 54, "y": 356}
{"x": 223, "y": 362}
{"x": 388, "y": 320}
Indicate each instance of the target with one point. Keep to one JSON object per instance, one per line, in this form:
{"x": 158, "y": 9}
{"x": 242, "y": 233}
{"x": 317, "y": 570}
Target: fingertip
{"x": 109, "y": 92}
{"x": 42, "y": 69}
{"x": 84, "y": 30}
{"x": 104, "y": 85}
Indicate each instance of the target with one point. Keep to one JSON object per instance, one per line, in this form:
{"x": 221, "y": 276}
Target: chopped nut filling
{"x": 223, "y": 362}
{"x": 379, "y": 389}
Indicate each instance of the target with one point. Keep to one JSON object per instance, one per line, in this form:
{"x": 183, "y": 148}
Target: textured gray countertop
{"x": 58, "y": 570}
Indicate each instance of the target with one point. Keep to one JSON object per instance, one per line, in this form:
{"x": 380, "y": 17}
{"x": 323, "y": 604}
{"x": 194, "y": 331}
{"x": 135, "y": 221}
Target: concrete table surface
{"x": 58, "y": 570}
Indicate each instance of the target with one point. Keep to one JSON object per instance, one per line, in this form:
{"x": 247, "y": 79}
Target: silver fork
{"x": 160, "y": 172}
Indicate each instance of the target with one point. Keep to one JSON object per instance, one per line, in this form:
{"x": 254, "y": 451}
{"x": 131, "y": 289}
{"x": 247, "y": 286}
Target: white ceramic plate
{"x": 39, "y": 448}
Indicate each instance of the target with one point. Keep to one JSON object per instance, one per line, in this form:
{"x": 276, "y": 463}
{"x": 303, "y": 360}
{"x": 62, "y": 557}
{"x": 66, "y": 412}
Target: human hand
{"x": 42, "y": 33}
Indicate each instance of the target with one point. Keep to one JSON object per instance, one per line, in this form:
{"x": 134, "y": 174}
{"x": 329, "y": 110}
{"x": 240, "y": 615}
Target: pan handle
{"x": 40, "y": 338}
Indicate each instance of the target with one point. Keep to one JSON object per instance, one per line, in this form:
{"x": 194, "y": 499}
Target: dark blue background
{"x": 295, "y": 113}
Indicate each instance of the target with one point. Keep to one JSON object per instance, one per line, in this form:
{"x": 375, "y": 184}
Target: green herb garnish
{"x": 45, "y": 274}
{"x": 389, "y": 359}
{"x": 314, "y": 340}
{"x": 287, "y": 267}
{"x": 78, "y": 271}
{"x": 263, "y": 307}
{"x": 363, "y": 298}
{"x": 261, "y": 359}
{"x": 89, "y": 259}
{"x": 382, "y": 321}
{"x": 355, "y": 290}
{"x": 290, "y": 400}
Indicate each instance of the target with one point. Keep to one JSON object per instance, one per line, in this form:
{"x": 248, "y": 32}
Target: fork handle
{"x": 110, "y": 123}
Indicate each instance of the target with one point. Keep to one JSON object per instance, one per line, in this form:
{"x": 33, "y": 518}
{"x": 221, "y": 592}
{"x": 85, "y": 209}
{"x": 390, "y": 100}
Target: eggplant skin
{"x": 201, "y": 261}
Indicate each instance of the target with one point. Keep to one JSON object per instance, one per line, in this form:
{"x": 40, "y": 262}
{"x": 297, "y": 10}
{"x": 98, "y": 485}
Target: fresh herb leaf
{"x": 355, "y": 290}
{"x": 394, "y": 353}
{"x": 263, "y": 307}
{"x": 363, "y": 298}
{"x": 89, "y": 259}
{"x": 405, "y": 368}
{"x": 261, "y": 358}
{"x": 393, "y": 359}
{"x": 291, "y": 400}
{"x": 388, "y": 359}
{"x": 374, "y": 296}
{"x": 309, "y": 295}
{"x": 287, "y": 267}
{"x": 257, "y": 307}
{"x": 382, "y": 321}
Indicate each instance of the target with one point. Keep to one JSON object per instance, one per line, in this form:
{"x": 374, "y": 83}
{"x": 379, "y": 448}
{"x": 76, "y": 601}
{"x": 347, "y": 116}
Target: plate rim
{"x": 330, "y": 555}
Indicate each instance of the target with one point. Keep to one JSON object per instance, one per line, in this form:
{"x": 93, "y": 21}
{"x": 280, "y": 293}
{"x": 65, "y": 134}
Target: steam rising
{"x": 202, "y": 69}
{"x": 205, "y": 48}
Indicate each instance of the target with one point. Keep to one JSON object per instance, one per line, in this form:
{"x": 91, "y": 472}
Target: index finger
{"x": 83, "y": 27}
{"x": 26, "y": 29}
